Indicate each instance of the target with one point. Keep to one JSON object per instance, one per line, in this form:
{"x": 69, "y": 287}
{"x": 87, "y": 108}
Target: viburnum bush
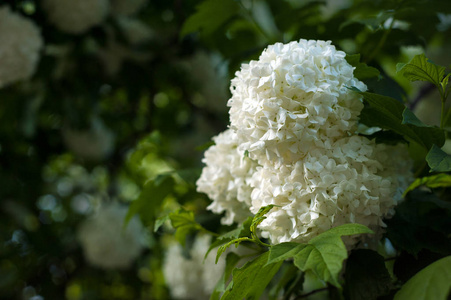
{"x": 225, "y": 149}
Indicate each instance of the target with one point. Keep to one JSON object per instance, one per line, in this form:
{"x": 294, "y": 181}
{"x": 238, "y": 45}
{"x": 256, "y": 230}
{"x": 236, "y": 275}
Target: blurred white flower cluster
{"x": 21, "y": 41}
{"x": 93, "y": 144}
{"x": 106, "y": 243}
{"x": 76, "y": 17}
{"x": 192, "y": 277}
{"x": 20, "y": 45}
{"x": 292, "y": 143}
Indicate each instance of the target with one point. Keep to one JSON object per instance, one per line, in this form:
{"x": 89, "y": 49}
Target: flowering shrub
{"x": 327, "y": 177}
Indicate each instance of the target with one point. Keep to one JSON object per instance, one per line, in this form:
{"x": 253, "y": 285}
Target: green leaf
{"x": 260, "y": 216}
{"x": 362, "y": 70}
{"x": 366, "y": 276}
{"x": 290, "y": 279}
{"x": 420, "y": 68}
{"x": 408, "y": 117}
{"x": 373, "y": 22}
{"x": 438, "y": 160}
{"x": 250, "y": 281}
{"x": 150, "y": 199}
{"x": 184, "y": 223}
{"x": 210, "y": 15}
{"x": 257, "y": 219}
{"x": 435, "y": 181}
{"x": 346, "y": 229}
{"x": 231, "y": 261}
{"x": 325, "y": 253}
{"x": 243, "y": 230}
{"x": 160, "y": 221}
{"x": 387, "y": 113}
{"x": 235, "y": 242}
{"x": 283, "y": 251}
{"x": 433, "y": 282}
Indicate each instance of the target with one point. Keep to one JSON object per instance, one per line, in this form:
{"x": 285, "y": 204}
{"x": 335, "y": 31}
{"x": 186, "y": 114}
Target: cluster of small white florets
{"x": 192, "y": 277}
{"x": 106, "y": 243}
{"x": 20, "y": 45}
{"x": 227, "y": 178}
{"x": 293, "y": 99}
{"x": 76, "y": 17}
{"x": 293, "y": 115}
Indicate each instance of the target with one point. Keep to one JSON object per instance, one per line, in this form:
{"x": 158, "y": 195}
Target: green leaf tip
{"x": 438, "y": 160}
{"x": 361, "y": 70}
{"x": 420, "y": 68}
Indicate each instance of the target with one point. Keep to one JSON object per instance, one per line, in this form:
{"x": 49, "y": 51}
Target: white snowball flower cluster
{"x": 106, "y": 243}
{"x": 292, "y": 113}
{"x": 193, "y": 277}
{"x": 76, "y": 16}
{"x": 20, "y": 45}
{"x": 292, "y": 99}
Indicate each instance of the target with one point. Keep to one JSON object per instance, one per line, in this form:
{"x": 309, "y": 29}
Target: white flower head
{"x": 76, "y": 16}
{"x": 192, "y": 277}
{"x": 20, "y": 45}
{"x": 106, "y": 244}
{"x": 226, "y": 178}
{"x": 292, "y": 96}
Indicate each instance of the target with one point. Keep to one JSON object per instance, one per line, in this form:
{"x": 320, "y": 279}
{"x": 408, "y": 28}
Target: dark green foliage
{"x": 366, "y": 276}
{"x": 422, "y": 221}
{"x": 387, "y": 113}
{"x": 150, "y": 199}
{"x": 438, "y": 160}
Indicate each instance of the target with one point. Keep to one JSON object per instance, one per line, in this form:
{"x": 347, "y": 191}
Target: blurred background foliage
{"x": 116, "y": 112}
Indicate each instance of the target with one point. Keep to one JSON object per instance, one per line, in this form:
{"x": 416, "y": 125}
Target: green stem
{"x": 249, "y": 15}
{"x": 420, "y": 169}
{"x": 448, "y": 115}
{"x": 442, "y": 116}
{"x": 258, "y": 241}
{"x": 381, "y": 42}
